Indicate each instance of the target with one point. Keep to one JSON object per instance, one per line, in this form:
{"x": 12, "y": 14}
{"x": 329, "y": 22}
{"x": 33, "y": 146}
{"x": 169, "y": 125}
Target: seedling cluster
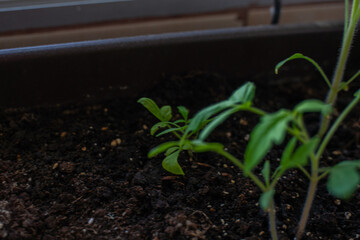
{"x": 300, "y": 151}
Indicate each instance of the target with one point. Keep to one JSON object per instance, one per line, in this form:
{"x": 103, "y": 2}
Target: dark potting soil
{"x": 82, "y": 172}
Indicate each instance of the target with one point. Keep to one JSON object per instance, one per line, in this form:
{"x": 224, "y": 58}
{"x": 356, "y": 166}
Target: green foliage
{"x": 266, "y": 172}
{"x": 162, "y": 148}
{"x": 184, "y": 112}
{"x": 300, "y": 56}
{"x": 271, "y": 130}
{"x": 220, "y": 119}
{"x": 176, "y": 129}
{"x": 243, "y": 95}
{"x": 288, "y": 151}
{"x": 163, "y": 114}
{"x": 200, "y": 119}
{"x": 313, "y": 105}
{"x": 344, "y": 179}
{"x": 266, "y": 198}
{"x": 292, "y": 159}
{"x": 199, "y": 146}
{"x": 239, "y": 100}
{"x": 172, "y": 149}
{"x": 157, "y": 126}
{"x": 170, "y": 163}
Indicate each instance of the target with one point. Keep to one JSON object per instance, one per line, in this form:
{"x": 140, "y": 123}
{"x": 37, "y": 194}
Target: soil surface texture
{"x": 80, "y": 171}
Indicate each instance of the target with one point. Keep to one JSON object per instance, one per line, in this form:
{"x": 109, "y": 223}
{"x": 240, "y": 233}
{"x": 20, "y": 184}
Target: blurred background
{"x": 39, "y": 22}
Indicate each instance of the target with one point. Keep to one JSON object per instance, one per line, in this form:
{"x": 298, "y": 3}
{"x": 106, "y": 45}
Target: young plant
{"x": 343, "y": 178}
{"x": 191, "y": 128}
{"x": 271, "y": 130}
{"x": 301, "y": 150}
{"x": 177, "y": 128}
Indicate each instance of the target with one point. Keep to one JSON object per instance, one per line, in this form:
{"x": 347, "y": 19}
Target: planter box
{"x": 126, "y": 66}
{"x": 80, "y": 170}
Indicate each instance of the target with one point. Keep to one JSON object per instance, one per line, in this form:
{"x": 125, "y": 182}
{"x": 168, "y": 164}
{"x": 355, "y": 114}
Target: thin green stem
{"x": 276, "y": 179}
{"x": 312, "y": 187}
{"x": 353, "y": 78}
{"x": 357, "y": 15}
{"x": 177, "y": 135}
{"x": 308, "y": 203}
{"x": 168, "y": 124}
{"x": 325, "y": 169}
{"x": 295, "y": 134}
{"x": 303, "y": 128}
{"x": 302, "y": 135}
{"x": 307, "y": 138}
{"x": 331, "y": 99}
{"x": 323, "y": 175}
{"x": 339, "y": 73}
{"x": 346, "y": 22}
{"x": 336, "y": 125}
{"x": 307, "y": 174}
{"x": 281, "y": 172}
{"x": 240, "y": 165}
{"x": 354, "y": 10}
{"x": 261, "y": 185}
{"x": 174, "y": 124}
{"x": 310, "y": 195}
{"x": 272, "y": 220}
{"x": 317, "y": 66}
{"x": 349, "y": 81}
{"x": 257, "y": 111}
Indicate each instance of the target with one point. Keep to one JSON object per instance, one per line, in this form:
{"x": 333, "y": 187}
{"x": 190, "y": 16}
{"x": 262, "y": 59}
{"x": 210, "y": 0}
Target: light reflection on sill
{"x": 56, "y": 4}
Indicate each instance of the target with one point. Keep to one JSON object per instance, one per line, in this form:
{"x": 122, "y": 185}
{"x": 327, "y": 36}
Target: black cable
{"x": 276, "y": 12}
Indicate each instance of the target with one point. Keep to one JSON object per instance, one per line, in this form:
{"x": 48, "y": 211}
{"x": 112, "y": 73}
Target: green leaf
{"x": 170, "y": 130}
{"x": 219, "y": 119}
{"x": 199, "y": 146}
{"x": 292, "y": 57}
{"x": 201, "y": 117}
{"x": 265, "y": 199}
{"x": 179, "y": 121}
{"x": 184, "y": 112}
{"x": 271, "y": 130}
{"x": 165, "y": 113}
{"x": 276, "y": 172}
{"x": 187, "y": 146}
{"x": 312, "y": 61}
{"x": 289, "y": 149}
{"x": 216, "y": 122}
{"x": 301, "y": 154}
{"x": 313, "y": 105}
{"x": 161, "y": 148}
{"x": 152, "y": 107}
{"x": 266, "y": 172}
{"x": 171, "y": 150}
{"x": 244, "y": 94}
{"x": 157, "y": 126}
{"x": 344, "y": 179}
{"x": 170, "y": 164}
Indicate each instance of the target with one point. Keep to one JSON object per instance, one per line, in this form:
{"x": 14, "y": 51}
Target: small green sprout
{"x": 177, "y": 128}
